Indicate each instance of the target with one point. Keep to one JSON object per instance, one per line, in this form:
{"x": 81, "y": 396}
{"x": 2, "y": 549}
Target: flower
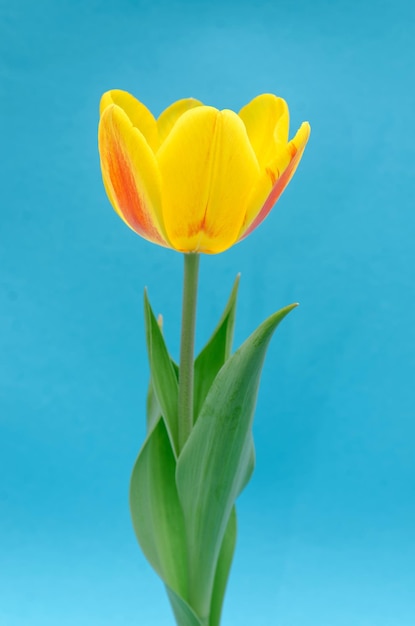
{"x": 196, "y": 179}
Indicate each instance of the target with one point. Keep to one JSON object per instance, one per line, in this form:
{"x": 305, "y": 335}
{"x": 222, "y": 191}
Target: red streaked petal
{"x": 296, "y": 148}
{"x": 130, "y": 174}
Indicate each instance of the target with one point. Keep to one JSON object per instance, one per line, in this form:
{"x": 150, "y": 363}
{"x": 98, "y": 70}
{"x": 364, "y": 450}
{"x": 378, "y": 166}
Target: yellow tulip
{"x": 196, "y": 179}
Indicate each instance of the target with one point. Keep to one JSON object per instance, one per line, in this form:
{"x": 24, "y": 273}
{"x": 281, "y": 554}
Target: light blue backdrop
{"x": 326, "y": 532}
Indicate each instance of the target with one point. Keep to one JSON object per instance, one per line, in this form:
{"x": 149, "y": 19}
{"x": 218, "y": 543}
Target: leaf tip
{"x": 290, "y": 307}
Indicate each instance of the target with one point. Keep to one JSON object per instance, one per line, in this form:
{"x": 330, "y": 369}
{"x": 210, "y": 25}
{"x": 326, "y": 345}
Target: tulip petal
{"x": 208, "y": 169}
{"x": 139, "y": 115}
{"x": 169, "y": 116}
{"x": 130, "y": 174}
{"x": 266, "y": 119}
{"x": 272, "y": 183}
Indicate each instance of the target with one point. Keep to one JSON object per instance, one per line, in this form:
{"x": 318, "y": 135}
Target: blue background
{"x": 326, "y": 527}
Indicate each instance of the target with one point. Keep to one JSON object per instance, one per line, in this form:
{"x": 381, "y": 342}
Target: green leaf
{"x": 162, "y": 374}
{"x": 215, "y": 460}
{"x": 156, "y": 511}
{"x": 222, "y": 570}
{"x": 215, "y": 352}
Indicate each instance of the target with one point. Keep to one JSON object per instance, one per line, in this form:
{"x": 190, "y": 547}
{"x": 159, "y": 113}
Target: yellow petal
{"x": 267, "y": 120}
{"x": 273, "y": 181}
{"x": 208, "y": 169}
{"x": 130, "y": 174}
{"x": 139, "y": 115}
{"x": 169, "y": 116}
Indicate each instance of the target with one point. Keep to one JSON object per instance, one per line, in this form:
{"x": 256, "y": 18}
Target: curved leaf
{"x": 156, "y": 511}
{"x": 214, "y": 462}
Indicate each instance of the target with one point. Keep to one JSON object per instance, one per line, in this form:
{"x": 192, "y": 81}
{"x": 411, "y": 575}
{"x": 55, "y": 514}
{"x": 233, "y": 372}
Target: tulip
{"x": 196, "y": 180}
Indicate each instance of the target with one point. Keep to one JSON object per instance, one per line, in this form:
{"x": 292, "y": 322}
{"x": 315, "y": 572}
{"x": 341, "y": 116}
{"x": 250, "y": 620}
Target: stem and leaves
{"x": 198, "y": 454}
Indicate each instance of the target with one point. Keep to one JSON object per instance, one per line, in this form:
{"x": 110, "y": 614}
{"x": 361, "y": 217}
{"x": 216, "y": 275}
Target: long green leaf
{"x": 162, "y": 373}
{"x": 156, "y": 511}
{"x": 213, "y": 465}
{"x": 215, "y": 352}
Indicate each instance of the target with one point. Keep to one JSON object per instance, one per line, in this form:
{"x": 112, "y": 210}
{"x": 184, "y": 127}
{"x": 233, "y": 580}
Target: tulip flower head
{"x": 196, "y": 179}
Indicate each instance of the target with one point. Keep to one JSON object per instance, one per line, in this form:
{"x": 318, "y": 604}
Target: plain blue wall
{"x": 327, "y": 525}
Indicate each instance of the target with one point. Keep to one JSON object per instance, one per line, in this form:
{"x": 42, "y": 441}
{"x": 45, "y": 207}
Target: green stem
{"x": 191, "y": 271}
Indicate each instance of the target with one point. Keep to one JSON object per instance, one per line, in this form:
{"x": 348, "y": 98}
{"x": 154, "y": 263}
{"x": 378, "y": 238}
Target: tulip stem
{"x": 187, "y": 343}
